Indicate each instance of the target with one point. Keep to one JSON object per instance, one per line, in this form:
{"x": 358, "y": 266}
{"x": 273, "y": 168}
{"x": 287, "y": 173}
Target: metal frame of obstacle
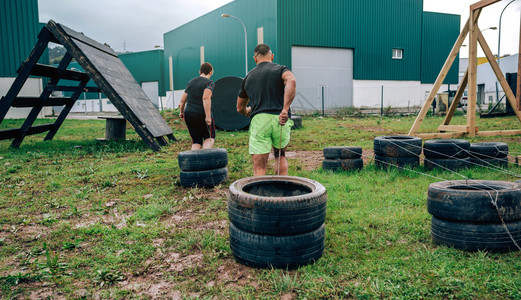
{"x": 470, "y": 129}
{"x": 102, "y": 65}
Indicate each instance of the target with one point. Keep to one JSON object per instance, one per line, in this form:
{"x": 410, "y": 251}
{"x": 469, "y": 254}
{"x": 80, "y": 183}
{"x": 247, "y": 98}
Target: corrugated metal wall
{"x": 19, "y": 28}
{"x": 147, "y": 66}
{"x": 439, "y": 32}
{"x": 223, "y": 40}
{"x": 371, "y": 27}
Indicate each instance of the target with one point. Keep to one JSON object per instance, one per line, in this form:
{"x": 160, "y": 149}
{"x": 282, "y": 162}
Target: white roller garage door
{"x": 324, "y": 78}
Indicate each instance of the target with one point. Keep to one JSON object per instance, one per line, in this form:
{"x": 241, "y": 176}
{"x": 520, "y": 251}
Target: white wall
{"x": 487, "y": 77}
{"x": 368, "y": 93}
{"x": 31, "y": 88}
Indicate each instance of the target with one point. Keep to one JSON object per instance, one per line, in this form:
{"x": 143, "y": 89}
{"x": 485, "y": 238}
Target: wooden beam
{"x": 456, "y": 128}
{"x": 51, "y": 71}
{"x": 495, "y": 67}
{"x": 457, "y": 98}
{"x": 441, "y": 135}
{"x": 473, "y": 65}
{"x": 482, "y": 4}
{"x": 439, "y": 80}
{"x": 16, "y": 132}
{"x": 35, "y": 101}
{"x": 498, "y": 132}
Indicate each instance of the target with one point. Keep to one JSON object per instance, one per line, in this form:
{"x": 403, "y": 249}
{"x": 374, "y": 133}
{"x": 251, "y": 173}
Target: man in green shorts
{"x": 269, "y": 89}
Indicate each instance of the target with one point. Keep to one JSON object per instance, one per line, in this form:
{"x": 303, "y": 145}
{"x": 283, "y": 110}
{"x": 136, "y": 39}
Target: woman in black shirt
{"x": 196, "y": 108}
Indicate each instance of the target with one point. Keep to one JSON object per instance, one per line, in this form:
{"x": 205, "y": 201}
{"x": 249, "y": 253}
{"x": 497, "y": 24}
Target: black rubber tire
{"x": 265, "y": 251}
{"x": 297, "y": 122}
{"x": 280, "y": 214}
{"x": 343, "y": 152}
{"x": 206, "y": 178}
{"x": 384, "y": 162}
{"x": 451, "y": 164}
{"x": 205, "y": 159}
{"x": 488, "y": 150}
{"x": 343, "y": 164}
{"x": 446, "y": 148}
{"x": 501, "y": 162}
{"x": 473, "y": 237}
{"x": 397, "y": 146}
{"x": 471, "y": 201}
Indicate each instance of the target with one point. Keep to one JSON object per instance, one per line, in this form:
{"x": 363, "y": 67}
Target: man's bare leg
{"x": 208, "y": 143}
{"x": 260, "y": 162}
{"x": 282, "y": 159}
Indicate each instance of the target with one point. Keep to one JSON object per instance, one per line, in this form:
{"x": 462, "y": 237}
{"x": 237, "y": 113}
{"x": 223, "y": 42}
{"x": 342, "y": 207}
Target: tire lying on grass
{"x": 446, "y": 148}
{"x": 205, "y": 159}
{"x": 397, "y": 146}
{"x": 450, "y": 164}
{"x": 471, "y": 236}
{"x": 471, "y": 201}
{"x": 277, "y": 205}
{"x": 501, "y": 162}
{"x": 343, "y": 152}
{"x": 343, "y": 164}
{"x": 266, "y": 251}
{"x": 384, "y": 162}
{"x": 205, "y": 178}
{"x": 488, "y": 150}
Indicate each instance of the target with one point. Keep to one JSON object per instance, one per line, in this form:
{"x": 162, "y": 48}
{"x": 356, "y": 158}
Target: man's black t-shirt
{"x": 195, "y": 90}
{"x": 265, "y": 88}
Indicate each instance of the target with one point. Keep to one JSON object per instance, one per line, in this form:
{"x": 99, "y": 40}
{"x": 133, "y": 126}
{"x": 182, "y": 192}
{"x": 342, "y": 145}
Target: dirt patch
{"x": 233, "y": 274}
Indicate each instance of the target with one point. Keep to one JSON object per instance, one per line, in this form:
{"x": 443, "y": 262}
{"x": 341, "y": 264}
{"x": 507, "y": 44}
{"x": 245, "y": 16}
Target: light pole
{"x": 245, "y": 40}
{"x": 499, "y": 33}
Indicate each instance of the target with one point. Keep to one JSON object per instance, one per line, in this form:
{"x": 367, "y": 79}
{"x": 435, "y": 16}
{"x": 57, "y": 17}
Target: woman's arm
{"x": 207, "y": 104}
{"x": 182, "y": 106}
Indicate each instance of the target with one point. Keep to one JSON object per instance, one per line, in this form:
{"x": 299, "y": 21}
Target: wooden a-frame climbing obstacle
{"x": 451, "y": 131}
{"x": 102, "y": 65}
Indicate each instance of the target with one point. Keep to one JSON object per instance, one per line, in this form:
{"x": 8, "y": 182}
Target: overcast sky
{"x": 138, "y": 25}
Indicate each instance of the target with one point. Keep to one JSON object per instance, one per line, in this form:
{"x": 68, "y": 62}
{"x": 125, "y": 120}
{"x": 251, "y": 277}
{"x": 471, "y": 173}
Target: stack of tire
{"x": 397, "y": 150}
{"x": 203, "y": 168}
{"x": 342, "y": 158}
{"x": 297, "y": 122}
{"x": 489, "y": 154}
{"x": 451, "y": 154}
{"x": 277, "y": 221}
{"x": 464, "y": 215}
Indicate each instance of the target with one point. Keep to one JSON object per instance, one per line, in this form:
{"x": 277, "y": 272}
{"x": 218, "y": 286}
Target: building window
{"x": 397, "y": 53}
{"x": 260, "y": 35}
{"x": 202, "y": 55}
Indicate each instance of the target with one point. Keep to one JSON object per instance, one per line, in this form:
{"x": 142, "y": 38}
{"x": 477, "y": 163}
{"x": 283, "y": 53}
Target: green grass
{"x": 80, "y": 218}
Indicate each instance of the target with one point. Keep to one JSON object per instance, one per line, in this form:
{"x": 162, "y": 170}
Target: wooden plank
{"x": 498, "y": 133}
{"x": 15, "y": 132}
{"x": 24, "y": 71}
{"x": 499, "y": 74}
{"x": 440, "y": 135}
{"x": 482, "y": 4}
{"x": 457, "y": 128}
{"x": 518, "y": 96}
{"x": 457, "y": 98}
{"x": 34, "y": 101}
{"x": 472, "y": 69}
{"x": 51, "y": 71}
{"x": 439, "y": 80}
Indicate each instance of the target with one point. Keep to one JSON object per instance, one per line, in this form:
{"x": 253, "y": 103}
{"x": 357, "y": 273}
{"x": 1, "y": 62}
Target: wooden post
{"x": 115, "y": 128}
{"x": 473, "y": 65}
{"x": 518, "y": 98}
{"x": 457, "y": 98}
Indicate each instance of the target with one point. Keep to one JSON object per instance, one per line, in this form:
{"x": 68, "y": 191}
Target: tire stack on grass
{"x": 489, "y": 154}
{"x": 464, "y": 216}
{"x": 203, "y": 168}
{"x": 277, "y": 221}
{"x": 343, "y": 158}
{"x": 451, "y": 154}
{"x": 400, "y": 151}
{"x": 297, "y": 122}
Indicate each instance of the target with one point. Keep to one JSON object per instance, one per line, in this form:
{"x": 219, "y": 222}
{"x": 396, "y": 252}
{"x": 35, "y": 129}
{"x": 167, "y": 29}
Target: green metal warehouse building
{"x": 343, "y": 52}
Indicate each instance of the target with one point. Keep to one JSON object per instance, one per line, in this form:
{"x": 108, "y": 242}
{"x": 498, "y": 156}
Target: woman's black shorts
{"x": 198, "y": 129}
